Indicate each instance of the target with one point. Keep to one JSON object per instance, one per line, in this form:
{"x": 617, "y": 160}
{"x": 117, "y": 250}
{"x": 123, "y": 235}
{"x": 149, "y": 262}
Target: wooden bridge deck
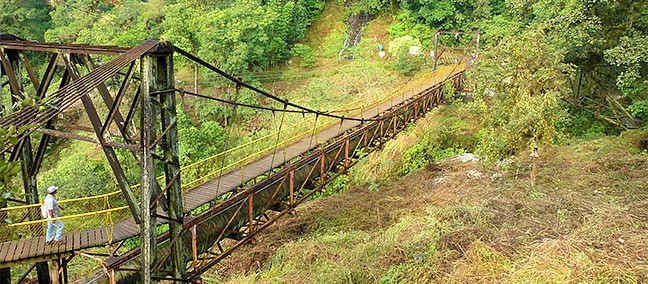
{"x": 35, "y": 249}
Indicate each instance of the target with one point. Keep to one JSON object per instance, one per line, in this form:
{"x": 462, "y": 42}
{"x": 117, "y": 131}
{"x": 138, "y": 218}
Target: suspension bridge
{"x": 184, "y": 218}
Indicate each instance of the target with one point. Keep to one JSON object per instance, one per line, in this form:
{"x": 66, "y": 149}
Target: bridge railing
{"x": 106, "y": 210}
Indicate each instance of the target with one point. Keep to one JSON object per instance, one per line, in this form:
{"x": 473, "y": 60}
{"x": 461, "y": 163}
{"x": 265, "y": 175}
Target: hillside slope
{"x": 586, "y": 221}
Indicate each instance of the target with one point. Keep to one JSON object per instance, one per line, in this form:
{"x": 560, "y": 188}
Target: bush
{"x": 524, "y": 105}
{"x": 403, "y": 61}
{"x": 305, "y": 53}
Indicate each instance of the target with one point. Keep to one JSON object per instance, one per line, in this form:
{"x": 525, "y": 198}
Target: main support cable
{"x": 264, "y": 93}
{"x": 234, "y": 103}
{"x": 240, "y": 83}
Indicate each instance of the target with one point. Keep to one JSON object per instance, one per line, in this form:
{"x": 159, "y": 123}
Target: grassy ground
{"x": 585, "y": 221}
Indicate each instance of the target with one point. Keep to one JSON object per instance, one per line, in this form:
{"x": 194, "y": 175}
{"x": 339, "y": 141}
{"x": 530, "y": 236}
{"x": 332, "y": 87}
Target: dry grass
{"x": 585, "y": 222}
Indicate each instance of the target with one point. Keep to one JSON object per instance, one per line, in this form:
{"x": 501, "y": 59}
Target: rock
{"x": 473, "y": 174}
{"x": 496, "y": 176}
{"x": 504, "y": 162}
{"x": 464, "y": 158}
{"x": 437, "y": 181}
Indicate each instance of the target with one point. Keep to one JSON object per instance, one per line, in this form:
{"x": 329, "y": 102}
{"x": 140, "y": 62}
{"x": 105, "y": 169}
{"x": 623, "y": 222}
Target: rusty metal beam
{"x": 113, "y": 161}
{"x": 62, "y": 48}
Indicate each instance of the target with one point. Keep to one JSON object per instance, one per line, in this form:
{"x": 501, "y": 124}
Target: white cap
{"x": 52, "y": 189}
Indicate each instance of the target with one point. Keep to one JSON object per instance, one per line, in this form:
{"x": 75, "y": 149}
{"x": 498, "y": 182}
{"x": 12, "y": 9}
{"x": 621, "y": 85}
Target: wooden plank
{"x": 27, "y": 247}
{"x": 77, "y": 241}
{"x": 101, "y": 236}
{"x": 19, "y": 247}
{"x": 132, "y": 229}
{"x": 91, "y": 237}
{"x": 41, "y": 247}
{"x": 4, "y": 247}
{"x": 34, "y": 248}
{"x": 68, "y": 239}
{"x": 118, "y": 232}
{"x": 10, "y": 251}
{"x": 83, "y": 239}
{"x": 58, "y": 246}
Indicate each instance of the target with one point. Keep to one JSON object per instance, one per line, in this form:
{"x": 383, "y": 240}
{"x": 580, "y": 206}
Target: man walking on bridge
{"x": 54, "y": 227}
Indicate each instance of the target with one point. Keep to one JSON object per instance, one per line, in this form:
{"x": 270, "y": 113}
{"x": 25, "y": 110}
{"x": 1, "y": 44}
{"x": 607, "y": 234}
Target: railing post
{"x": 322, "y": 172}
{"x": 194, "y": 247}
{"x": 251, "y": 213}
{"x": 346, "y": 153}
{"x": 292, "y": 188}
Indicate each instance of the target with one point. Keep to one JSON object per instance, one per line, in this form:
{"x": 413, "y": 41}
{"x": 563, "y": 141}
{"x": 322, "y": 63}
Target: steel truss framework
{"x": 137, "y": 87}
{"x": 125, "y": 95}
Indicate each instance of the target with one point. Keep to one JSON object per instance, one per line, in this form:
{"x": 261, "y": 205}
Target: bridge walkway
{"x": 35, "y": 249}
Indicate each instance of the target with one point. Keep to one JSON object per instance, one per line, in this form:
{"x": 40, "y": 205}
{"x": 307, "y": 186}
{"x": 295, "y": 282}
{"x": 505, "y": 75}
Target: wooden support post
{"x": 147, "y": 148}
{"x": 54, "y": 272}
{"x": 534, "y": 172}
{"x": 382, "y": 133}
{"x": 165, "y": 81}
{"x": 394, "y": 119}
{"x": 5, "y": 275}
{"x": 64, "y": 271}
{"x": 111, "y": 277}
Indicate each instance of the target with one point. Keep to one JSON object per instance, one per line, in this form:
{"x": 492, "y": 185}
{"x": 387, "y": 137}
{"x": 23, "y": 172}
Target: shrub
{"x": 403, "y": 61}
{"x": 305, "y": 53}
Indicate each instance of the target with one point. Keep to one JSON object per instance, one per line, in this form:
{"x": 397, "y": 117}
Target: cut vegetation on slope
{"x": 471, "y": 222}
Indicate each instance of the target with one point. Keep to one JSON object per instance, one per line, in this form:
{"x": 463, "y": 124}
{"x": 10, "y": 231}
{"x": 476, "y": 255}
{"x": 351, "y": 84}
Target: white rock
{"x": 474, "y": 174}
{"x": 437, "y": 181}
{"x": 504, "y": 162}
{"x": 496, "y": 176}
{"x": 464, "y": 158}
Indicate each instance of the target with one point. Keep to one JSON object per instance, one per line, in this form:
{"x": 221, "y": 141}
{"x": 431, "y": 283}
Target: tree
{"x": 404, "y": 62}
{"x": 24, "y": 18}
{"x": 518, "y": 94}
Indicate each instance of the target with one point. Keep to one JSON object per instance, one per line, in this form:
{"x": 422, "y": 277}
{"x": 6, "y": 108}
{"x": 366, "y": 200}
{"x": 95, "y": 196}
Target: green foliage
{"x": 639, "y": 109}
{"x": 24, "y": 18}
{"x": 420, "y": 18}
{"x": 370, "y": 6}
{"x": 92, "y": 177}
{"x": 605, "y": 39}
{"x": 338, "y": 185}
{"x": 422, "y": 154}
{"x": 497, "y": 28}
{"x": 523, "y": 104}
{"x": 631, "y": 56}
{"x": 305, "y": 53}
{"x": 399, "y": 48}
{"x": 198, "y": 140}
{"x": 238, "y": 37}
{"x": 333, "y": 43}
